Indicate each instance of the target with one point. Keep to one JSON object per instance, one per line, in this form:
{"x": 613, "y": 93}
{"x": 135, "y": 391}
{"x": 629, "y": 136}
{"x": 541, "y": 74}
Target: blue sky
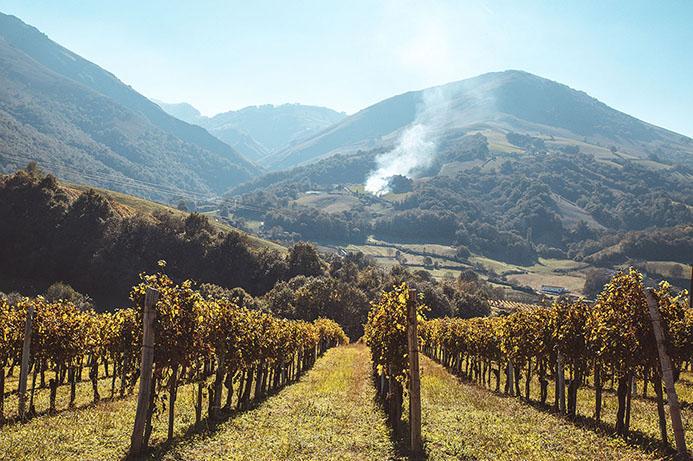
{"x": 636, "y": 56}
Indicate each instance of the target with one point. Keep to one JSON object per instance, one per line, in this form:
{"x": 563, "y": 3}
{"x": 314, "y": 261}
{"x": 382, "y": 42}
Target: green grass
{"x": 89, "y": 431}
{"x": 328, "y": 414}
{"x": 464, "y": 421}
{"x": 544, "y": 272}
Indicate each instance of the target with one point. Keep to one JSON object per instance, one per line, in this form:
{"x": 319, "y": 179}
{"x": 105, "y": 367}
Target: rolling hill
{"x": 83, "y": 124}
{"x": 510, "y": 101}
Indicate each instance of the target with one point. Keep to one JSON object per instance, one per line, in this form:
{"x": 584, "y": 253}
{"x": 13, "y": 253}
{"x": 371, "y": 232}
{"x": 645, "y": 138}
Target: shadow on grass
{"x": 207, "y": 427}
{"x": 634, "y": 438}
{"x": 400, "y": 434}
{"x": 31, "y": 415}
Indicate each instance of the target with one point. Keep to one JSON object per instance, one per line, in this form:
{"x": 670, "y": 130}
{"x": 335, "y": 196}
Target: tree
{"x": 303, "y": 259}
{"x": 462, "y": 252}
{"x": 399, "y": 184}
{"x": 63, "y": 291}
{"x": 595, "y": 279}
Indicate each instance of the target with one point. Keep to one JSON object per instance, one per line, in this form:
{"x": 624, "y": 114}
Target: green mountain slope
{"x": 503, "y": 102}
{"x": 80, "y": 122}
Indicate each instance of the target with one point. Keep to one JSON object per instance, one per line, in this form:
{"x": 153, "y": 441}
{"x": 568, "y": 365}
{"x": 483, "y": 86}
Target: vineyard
{"x": 585, "y": 377}
{"x": 608, "y": 347}
{"x": 210, "y": 343}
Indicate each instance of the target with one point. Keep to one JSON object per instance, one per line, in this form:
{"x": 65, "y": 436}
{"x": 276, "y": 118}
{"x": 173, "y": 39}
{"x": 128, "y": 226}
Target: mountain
{"x": 276, "y": 127}
{"x": 510, "y": 101}
{"x": 181, "y": 110}
{"x": 260, "y": 131}
{"x": 507, "y": 165}
{"x": 240, "y": 141}
{"x": 82, "y": 123}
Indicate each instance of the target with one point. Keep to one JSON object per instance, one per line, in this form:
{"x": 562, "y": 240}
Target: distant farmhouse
{"x": 553, "y": 290}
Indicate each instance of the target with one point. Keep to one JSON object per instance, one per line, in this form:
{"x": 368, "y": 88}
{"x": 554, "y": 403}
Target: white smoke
{"x": 417, "y": 145}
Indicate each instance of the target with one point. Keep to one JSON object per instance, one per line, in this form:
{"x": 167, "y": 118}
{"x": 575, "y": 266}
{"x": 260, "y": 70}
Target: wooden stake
{"x": 690, "y": 290}
{"x": 414, "y": 377}
{"x": 668, "y": 375}
{"x": 218, "y": 383}
{"x": 561, "y": 382}
{"x": 173, "y": 390}
{"x": 24, "y": 370}
{"x": 143, "y": 396}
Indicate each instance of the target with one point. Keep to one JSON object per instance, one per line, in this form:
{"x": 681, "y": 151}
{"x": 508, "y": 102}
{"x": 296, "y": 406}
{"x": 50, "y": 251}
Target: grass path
{"x": 463, "y": 421}
{"x": 328, "y": 415}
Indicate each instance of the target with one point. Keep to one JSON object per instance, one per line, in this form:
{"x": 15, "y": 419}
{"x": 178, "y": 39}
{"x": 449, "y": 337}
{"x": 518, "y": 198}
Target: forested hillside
{"x": 99, "y": 244}
{"x": 550, "y": 200}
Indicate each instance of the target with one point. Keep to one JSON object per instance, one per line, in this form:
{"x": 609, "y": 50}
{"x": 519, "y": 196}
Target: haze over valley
{"x": 507, "y": 166}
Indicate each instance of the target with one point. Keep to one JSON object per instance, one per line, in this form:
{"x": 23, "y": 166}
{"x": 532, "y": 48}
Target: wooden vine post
{"x": 145, "y": 389}
{"x": 414, "y": 377}
{"x": 560, "y": 371}
{"x": 668, "y": 375}
{"x": 24, "y": 369}
{"x": 690, "y": 290}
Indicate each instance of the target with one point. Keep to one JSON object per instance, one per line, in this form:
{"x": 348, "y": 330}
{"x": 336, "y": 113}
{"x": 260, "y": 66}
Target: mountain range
{"x": 258, "y": 132}
{"x": 506, "y": 162}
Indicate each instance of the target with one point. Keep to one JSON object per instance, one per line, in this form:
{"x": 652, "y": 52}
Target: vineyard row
{"x": 571, "y": 342}
{"x": 211, "y": 342}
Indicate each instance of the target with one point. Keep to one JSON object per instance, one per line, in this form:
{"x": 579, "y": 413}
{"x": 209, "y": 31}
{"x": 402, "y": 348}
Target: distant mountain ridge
{"x": 501, "y": 101}
{"x": 79, "y": 121}
{"x": 260, "y": 131}
{"x": 181, "y": 110}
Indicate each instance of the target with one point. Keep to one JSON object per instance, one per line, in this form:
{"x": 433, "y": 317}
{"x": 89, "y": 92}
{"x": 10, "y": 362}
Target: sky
{"x": 636, "y": 56}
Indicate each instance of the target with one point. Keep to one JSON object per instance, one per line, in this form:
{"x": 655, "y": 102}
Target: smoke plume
{"x": 417, "y": 145}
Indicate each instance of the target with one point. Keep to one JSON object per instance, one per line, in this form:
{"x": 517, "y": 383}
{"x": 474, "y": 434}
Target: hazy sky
{"x": 636, "y": 56}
